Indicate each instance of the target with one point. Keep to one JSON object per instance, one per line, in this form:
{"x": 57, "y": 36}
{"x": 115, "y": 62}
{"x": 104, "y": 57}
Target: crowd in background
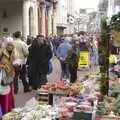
{"x": 30, "y": 59}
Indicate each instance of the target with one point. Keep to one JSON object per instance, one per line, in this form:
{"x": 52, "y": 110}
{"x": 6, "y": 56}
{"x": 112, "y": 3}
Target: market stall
{"x": 79, "y": 101}
{"x": 60, "y": 100}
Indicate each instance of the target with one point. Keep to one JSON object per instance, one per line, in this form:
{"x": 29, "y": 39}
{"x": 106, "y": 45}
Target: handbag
{"x": 4, "y": 90}
{"x": 50, "y": 67}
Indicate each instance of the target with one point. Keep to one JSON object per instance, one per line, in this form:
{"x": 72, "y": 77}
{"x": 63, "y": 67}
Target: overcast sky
{"x": 85, "y": 4}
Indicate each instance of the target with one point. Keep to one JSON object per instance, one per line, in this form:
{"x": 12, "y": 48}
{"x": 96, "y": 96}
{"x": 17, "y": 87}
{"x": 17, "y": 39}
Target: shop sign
{"x": 112, "y": 59}
{"x": 84, "y": 59}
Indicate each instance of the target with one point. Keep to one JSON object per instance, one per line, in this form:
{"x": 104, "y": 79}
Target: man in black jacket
{"x": 39, "y": 55}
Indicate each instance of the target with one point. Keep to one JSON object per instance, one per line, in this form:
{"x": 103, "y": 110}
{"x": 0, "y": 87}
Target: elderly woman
{"x": 6, "y": 58}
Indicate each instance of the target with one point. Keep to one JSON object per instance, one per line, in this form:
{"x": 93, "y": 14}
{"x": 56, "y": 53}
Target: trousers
{"x": 20, "y": 74}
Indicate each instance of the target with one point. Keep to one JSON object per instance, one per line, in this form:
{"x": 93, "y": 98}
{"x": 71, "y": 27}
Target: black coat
{"x": 39, "y": 56}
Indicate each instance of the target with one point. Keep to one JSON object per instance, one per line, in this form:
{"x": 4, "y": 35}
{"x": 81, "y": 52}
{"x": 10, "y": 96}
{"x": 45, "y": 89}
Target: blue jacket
{"x": 63, "y": 49}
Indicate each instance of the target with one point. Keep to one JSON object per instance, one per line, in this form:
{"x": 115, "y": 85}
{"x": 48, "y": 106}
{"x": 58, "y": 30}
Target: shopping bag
{"x": 4, "y": 90}
{"x": 50, "y": 67}
{"x": 4, "y": 79}
{"x": 1, "y": 113}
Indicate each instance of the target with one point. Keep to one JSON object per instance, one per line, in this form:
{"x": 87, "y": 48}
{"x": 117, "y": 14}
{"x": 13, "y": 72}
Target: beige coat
{"x": 6, "y": 64}
{"x": 20, "y": 51}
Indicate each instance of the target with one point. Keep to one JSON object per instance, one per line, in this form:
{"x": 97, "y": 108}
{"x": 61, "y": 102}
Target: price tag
{"x": 57, "y": 99}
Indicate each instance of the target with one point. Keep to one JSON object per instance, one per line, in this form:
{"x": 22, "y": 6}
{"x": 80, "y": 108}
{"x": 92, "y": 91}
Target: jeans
{"x": 65, "y": 70}
{"x": 20, "y": 73}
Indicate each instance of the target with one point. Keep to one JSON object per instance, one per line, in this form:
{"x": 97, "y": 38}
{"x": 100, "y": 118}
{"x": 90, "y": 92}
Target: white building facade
{"x": 64, "y": 8}
{"x": 113, "y": 7}
{"x": 19, "y": 15}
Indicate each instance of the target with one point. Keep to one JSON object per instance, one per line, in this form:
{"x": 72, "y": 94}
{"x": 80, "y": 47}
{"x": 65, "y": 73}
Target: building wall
{"x": 103, "y": 7}
{"x": 111, "y": 8}
{"x": 61, "y": 12}
{"x": 27, "y": 5}
{"x": 14, "y": 12}
{"x": 70, "y": 11}
{"x": 18, "y": 16}
{"x": 64, "y": 8}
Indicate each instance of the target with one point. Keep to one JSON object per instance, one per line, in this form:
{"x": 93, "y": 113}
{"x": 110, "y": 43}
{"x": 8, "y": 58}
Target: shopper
{"x": 29, "y": 43}
{"x": 7, "y": 96}
{"x": 39, "y": 56}
{"x": 62, "y": 54}
{"x": 21, "y": 53}
{"x": 73, "y": 59}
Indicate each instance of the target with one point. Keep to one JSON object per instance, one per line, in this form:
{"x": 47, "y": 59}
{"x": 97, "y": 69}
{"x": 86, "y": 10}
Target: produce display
{"x": 59, "y": 86}
{"x": 77, "y": 88}
{"x": 110, "y": 106}
{"x": 82, "y": 98}
{"x": 81, "y": 87}
{"x": 34, "y": 112}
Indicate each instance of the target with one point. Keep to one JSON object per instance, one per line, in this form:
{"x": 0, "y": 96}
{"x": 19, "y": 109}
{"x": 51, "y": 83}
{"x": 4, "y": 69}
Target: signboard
{"x": 112, "y": 59}
{"x": 84, "y": 59}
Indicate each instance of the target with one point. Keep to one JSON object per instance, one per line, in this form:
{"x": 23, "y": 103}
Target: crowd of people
{"x": 29, "y": 61}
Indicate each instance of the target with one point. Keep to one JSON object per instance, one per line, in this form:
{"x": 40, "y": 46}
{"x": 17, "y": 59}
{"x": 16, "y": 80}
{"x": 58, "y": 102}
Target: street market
{"x": 59, "y": 60}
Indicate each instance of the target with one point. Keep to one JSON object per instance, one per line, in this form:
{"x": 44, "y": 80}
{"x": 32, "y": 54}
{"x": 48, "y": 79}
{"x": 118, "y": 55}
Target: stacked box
{"x": 42, "y": 97}
{"x": 82, "y": 116}
{"x": 56, "y": 98}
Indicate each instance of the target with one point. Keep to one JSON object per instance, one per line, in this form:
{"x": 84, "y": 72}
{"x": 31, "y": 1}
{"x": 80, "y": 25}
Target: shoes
{"x": 34, "y": 88}
{"x": 27, "y": 90}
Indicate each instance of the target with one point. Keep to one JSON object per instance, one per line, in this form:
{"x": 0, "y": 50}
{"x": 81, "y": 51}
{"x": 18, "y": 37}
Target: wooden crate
{"x": 56, "y": 98}
{"x": 53, "y": 98}
{"x": 42, "y": 97}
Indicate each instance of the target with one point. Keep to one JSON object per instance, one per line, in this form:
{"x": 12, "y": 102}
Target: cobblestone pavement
{"x": 22, "y": 98}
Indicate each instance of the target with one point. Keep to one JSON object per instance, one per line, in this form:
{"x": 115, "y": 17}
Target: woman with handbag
{"x": 6, "y": 78}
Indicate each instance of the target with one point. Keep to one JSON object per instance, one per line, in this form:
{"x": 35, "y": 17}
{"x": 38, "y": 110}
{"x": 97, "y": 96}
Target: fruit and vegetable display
{"x": 33, "y": 112}
{"x": 58, "y": 86}
{"x": 84, "y": 96}
{"x": 62, "y": 87}
{"x": 77, "y": 88}
{"x": 109, "y": 107}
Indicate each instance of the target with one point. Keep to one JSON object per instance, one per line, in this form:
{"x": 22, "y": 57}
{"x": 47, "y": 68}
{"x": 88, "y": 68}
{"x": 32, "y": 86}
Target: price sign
{"x": 84, "y": 59}
{"x": 57, "y": 99}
